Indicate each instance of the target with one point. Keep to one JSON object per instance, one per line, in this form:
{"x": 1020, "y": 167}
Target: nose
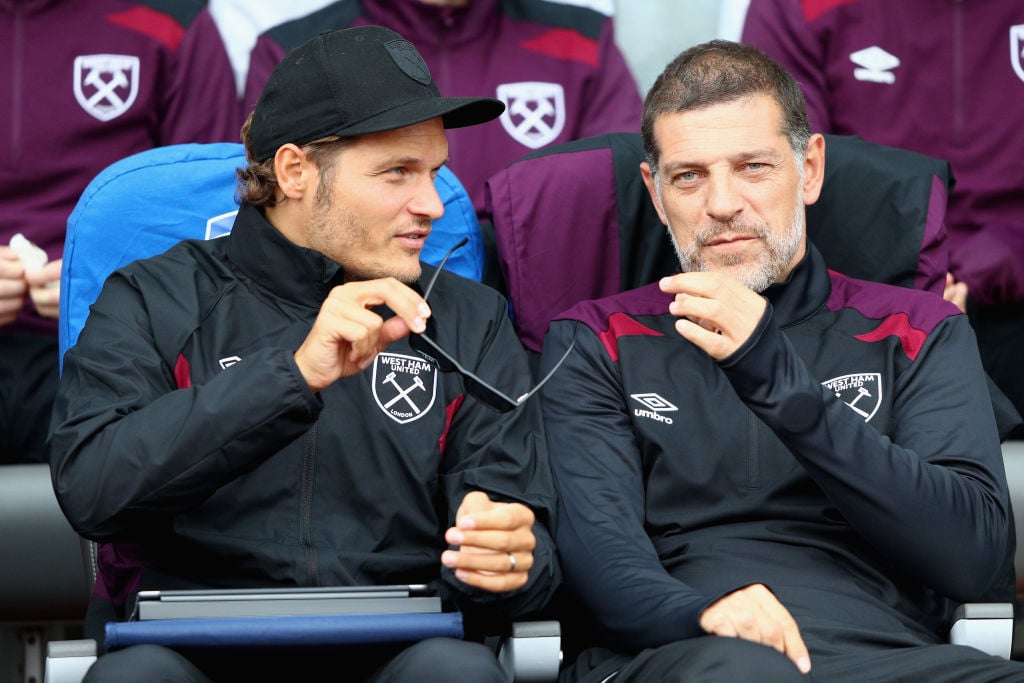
{"x": 427, "y": 202}
{"x": 723, "y": 202}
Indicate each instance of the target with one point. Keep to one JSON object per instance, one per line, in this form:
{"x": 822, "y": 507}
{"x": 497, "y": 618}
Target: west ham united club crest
{"x": 861, "y": 392}
{"x": 404, "y": 387}
{"x": 106, "y": 85}
{"x": 534, "y": 112}
{"x": 1017, "y": 49}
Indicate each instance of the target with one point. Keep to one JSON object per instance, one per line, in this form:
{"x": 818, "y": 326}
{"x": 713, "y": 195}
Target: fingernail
{"x": 454, "y": 536}
{"x": 424, "y": 309}
{"x": 448, "y": 558}
{"x": 466, "y": 522}
{"x": 419, "y": 324}
{"x": 804, "y": 664}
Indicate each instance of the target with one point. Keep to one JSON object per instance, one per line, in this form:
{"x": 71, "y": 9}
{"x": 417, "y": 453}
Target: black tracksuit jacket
{"x": 187, "y": 443}
{"x": 846, "y": 456}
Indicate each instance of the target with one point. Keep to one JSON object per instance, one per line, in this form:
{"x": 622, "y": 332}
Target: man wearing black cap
{"x": 284, "y": 407}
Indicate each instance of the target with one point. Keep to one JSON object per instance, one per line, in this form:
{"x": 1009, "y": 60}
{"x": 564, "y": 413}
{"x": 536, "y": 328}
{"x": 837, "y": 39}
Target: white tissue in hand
{"x": 32, "y": 257}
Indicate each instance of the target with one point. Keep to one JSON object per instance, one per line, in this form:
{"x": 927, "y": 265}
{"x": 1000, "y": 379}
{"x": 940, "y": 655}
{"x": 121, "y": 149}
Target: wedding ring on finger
{"x": 511, "y": 562}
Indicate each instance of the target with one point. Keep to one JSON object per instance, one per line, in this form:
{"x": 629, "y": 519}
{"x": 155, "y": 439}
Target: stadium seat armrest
{"x": 68, "y": 660}
{"x": 532, "y": 652}
{"x": 985, "y": 626}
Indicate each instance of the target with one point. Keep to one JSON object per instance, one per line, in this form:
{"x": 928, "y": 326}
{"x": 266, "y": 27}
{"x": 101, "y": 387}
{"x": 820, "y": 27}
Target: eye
{"x": 757, "y": 168}
{"x": 686, "y": 179}
{"x": 398, "y": 171}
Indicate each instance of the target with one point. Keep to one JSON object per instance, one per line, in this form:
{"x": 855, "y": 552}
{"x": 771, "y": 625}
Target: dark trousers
{"x": 28, "y": 382}
{"x": 435, "y": 660}
{"x": 713, "y": 659}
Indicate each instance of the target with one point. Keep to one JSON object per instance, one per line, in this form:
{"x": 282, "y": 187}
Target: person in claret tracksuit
{"x": 940, "y": 77}
{"x": 85, "y": 84}
{"x": 555, "y": 65}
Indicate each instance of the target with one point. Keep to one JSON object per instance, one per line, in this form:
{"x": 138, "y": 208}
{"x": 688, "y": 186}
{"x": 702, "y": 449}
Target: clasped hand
{"x": 41, "y": 284}
{"x": 495, "y": 543}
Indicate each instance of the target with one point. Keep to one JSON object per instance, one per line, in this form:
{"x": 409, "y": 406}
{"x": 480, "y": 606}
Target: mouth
{"x": 727, "y": 240}
{"x": 413, "y": 239}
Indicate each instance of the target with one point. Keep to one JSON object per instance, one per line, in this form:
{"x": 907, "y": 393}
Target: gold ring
{"x": 511, "y": 562}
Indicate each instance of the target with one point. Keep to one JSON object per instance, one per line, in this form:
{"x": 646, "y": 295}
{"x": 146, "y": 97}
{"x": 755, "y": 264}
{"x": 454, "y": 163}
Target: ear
{"x": 814, "y": 168}
{"x": 292, "y": 169}
{"x": 649, "y": 181}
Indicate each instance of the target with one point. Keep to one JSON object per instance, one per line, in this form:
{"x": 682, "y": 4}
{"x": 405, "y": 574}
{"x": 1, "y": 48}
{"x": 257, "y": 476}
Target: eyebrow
{"x": 736, "y": 158}
{"x": 406, "y": 161}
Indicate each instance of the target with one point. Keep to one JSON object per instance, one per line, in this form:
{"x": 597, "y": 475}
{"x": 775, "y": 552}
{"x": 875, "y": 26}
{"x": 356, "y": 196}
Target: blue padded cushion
{"x": 144, "y": 204}
{"x": 320, "y": 629}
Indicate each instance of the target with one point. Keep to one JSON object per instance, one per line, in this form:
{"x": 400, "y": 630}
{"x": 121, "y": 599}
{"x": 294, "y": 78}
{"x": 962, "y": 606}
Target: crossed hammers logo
{"x": 106, "y": 85}
{"x": 417, "y": 383}
{"x": 404, "y": 387}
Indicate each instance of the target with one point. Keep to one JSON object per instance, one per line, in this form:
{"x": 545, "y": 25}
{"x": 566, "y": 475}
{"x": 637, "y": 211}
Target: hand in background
{"x": 955, "y": 292}
{"x": 44, "y": 288}
{"x": 12, "y": 285}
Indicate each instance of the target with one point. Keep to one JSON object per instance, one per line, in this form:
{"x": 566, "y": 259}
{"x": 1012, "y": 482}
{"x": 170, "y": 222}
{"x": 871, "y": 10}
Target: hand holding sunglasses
{"x": 476, "y": 387}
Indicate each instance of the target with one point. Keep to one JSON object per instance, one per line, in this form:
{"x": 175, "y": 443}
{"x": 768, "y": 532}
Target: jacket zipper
{"x": 753, "y": 454}
{"x": 958, "y": 69}
{"x": 306, "y": 505}
{"x": 17, "y": 76}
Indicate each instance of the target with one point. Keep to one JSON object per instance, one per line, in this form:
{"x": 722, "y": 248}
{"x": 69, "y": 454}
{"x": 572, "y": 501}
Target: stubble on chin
{"x": 757, "y": 272}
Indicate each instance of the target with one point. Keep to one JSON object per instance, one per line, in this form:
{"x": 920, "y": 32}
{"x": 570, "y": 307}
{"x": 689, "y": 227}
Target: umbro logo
{"x": 653, "y": 406}
{"x": 875, "y": 64}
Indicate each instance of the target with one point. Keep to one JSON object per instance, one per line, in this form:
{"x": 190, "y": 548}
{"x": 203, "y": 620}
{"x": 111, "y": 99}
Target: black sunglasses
{"x": 475, "y": 387}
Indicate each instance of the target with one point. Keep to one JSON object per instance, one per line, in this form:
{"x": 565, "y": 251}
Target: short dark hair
{"x": 717, "y": 72}
{"x": 257, "y": 183}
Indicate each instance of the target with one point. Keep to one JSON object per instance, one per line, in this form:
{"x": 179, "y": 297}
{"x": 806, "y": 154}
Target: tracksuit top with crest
{"x": 939, "y": 77}
{"x": 845, "y": 456}
{"x": 188, "y": 444}
{"x": 555, "y": 65}
{"x": 88, "y": 83}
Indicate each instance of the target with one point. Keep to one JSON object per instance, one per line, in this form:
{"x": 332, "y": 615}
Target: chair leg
{"x": 33, "y": 639}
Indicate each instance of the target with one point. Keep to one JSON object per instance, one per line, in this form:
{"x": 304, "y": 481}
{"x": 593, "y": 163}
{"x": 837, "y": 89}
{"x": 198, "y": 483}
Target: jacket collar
{"x": 270, "y": 259}
{"x": 424, "y": 24}
{"x": 804, "y": 292}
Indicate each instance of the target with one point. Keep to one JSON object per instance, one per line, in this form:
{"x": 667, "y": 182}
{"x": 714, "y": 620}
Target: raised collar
{"x": 260, "y": 252}
{"x": 803, "y": 293}
{"x": 424, "y": 24}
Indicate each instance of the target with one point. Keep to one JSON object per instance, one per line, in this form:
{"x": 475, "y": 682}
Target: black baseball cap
{"x": 351, "y": 82}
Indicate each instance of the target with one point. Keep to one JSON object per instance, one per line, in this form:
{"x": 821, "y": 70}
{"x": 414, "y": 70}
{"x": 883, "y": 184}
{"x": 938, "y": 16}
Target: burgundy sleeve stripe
{"x": 815, "y": 8}
{"x": 621, "y": 325}
{"x": 898, "y": 325}
{"x": 449, "y": 415}
{"x": 155, "y": 24}
{"x": 565, "y": 44}
{"x": 183, "y": 373}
